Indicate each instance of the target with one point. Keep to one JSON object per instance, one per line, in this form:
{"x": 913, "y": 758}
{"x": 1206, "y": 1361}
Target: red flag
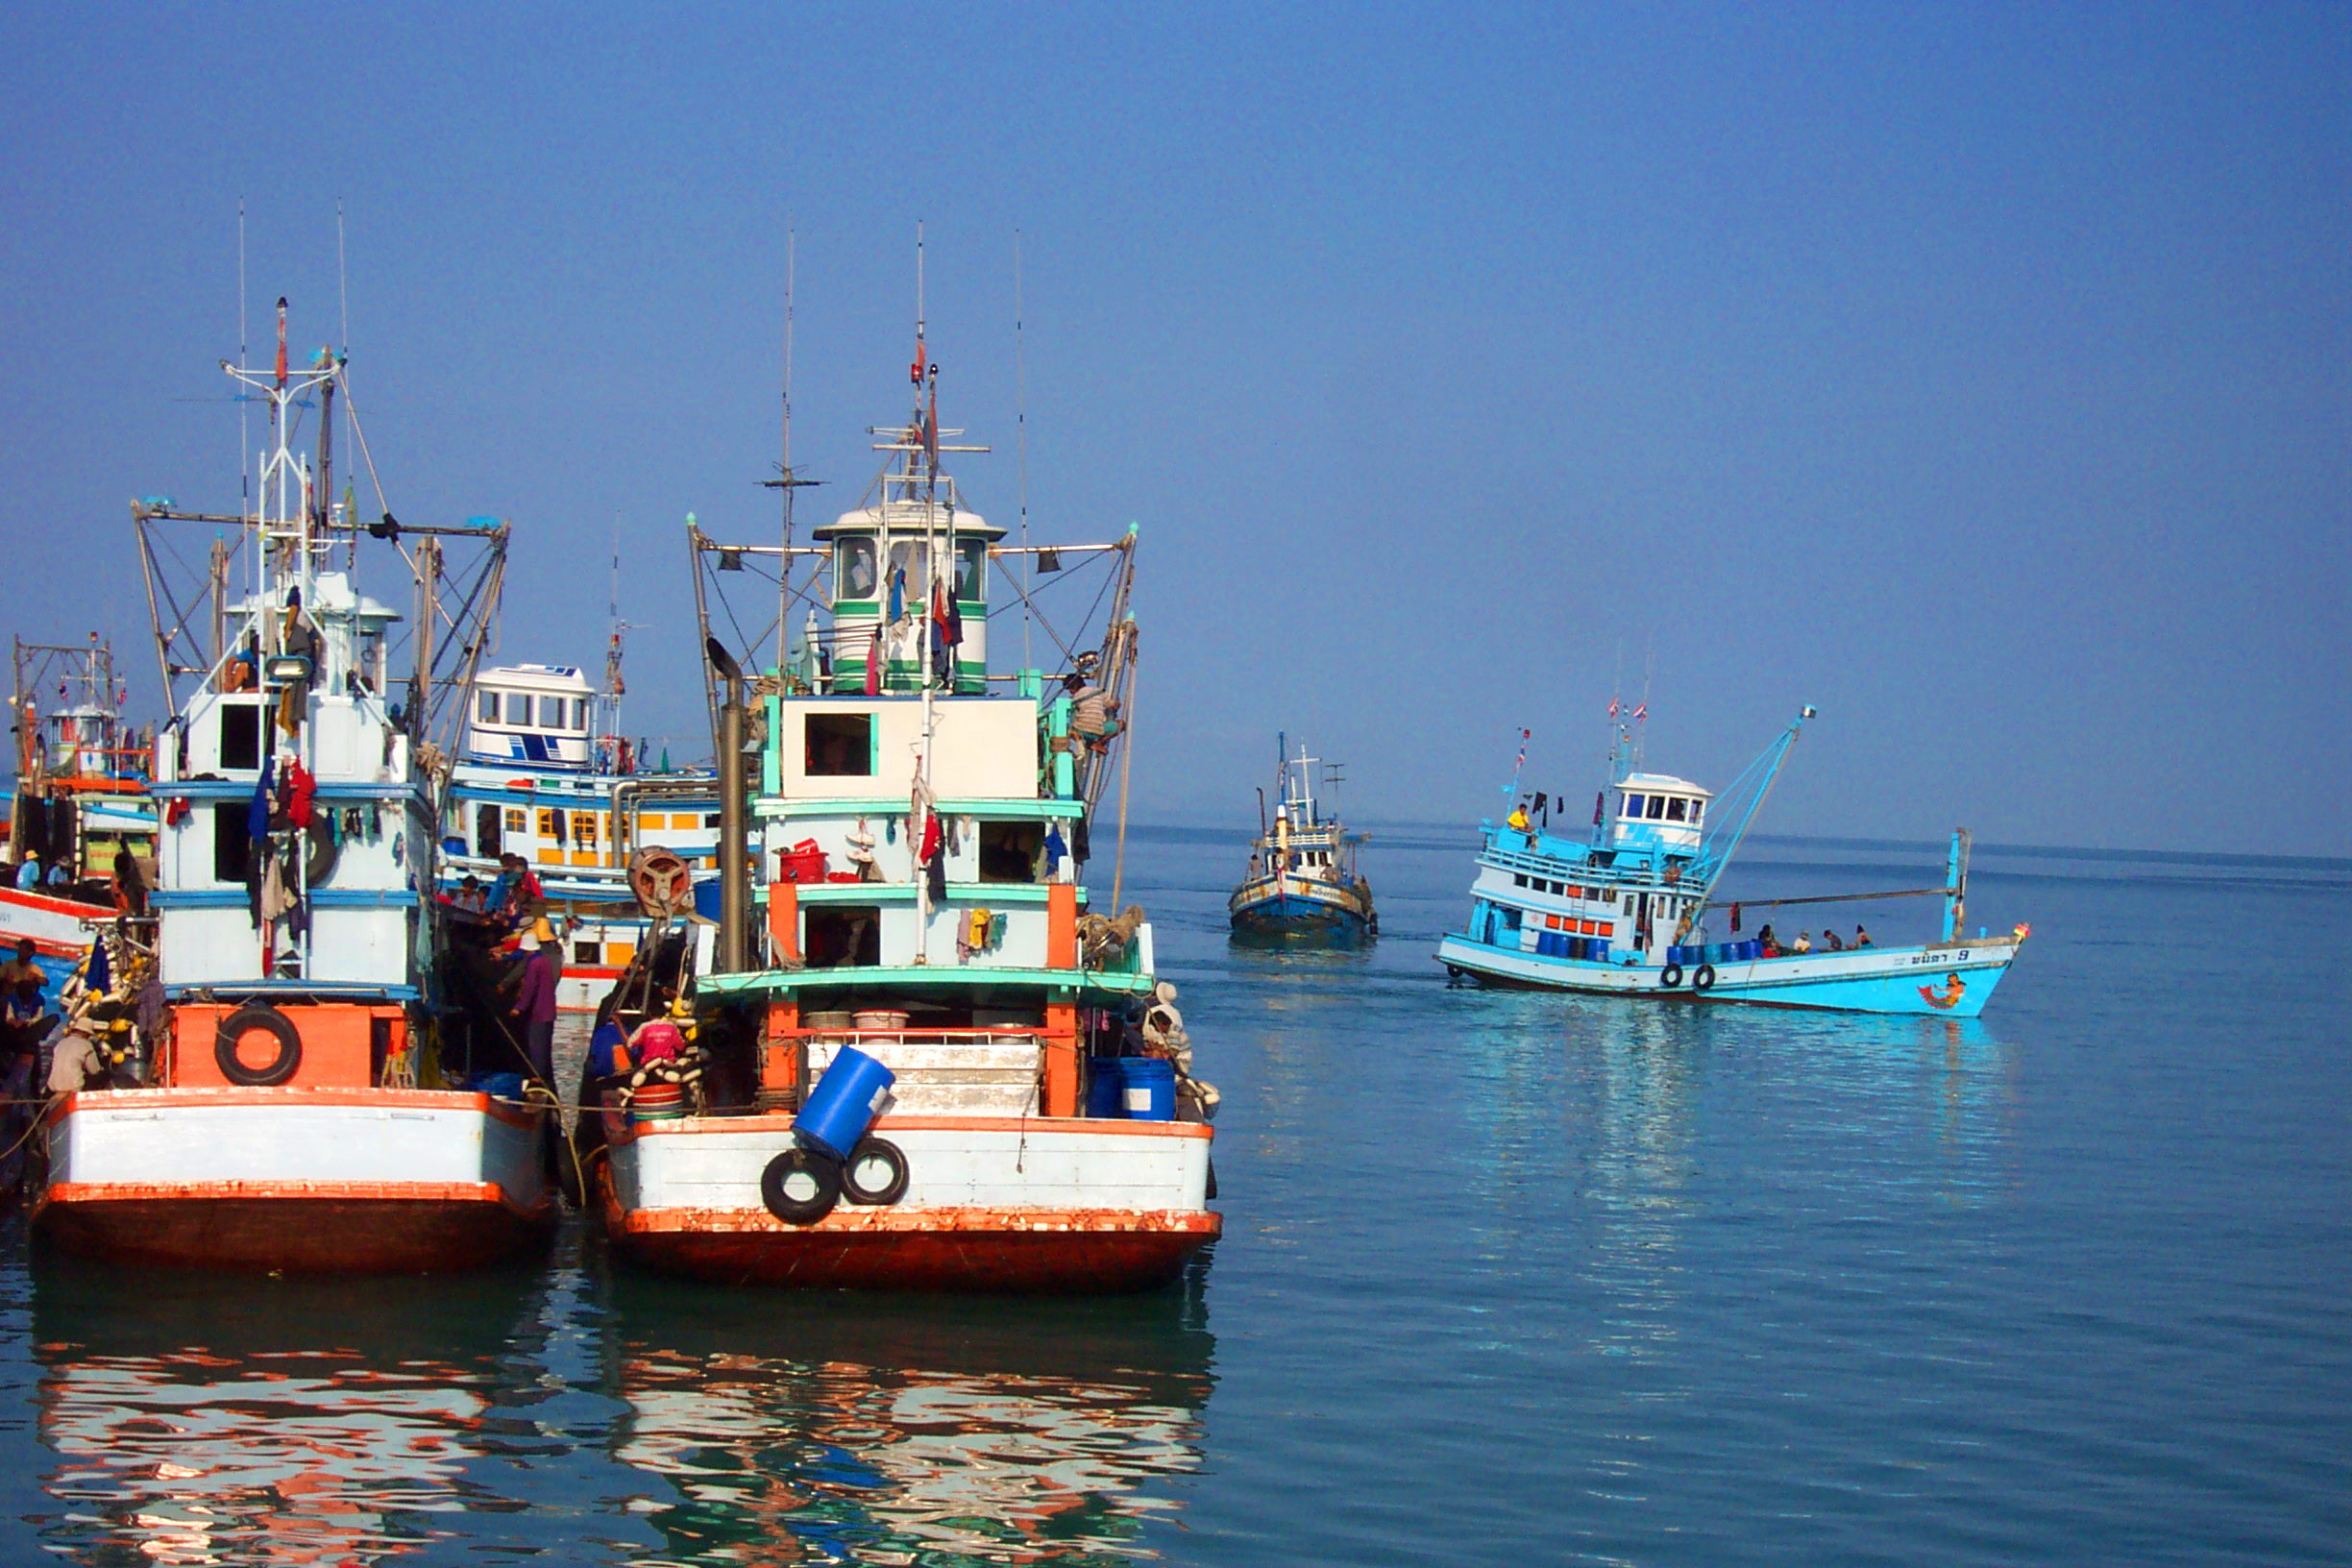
{"x": 1642, "y": 712}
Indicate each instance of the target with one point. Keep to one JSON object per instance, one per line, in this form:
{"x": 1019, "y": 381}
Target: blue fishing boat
{"x": 1303, "y": 885}
{"x": 1631, "y": 909}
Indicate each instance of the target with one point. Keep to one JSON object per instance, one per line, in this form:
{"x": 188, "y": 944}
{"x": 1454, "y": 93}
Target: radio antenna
{"x": 1020, "y": 428}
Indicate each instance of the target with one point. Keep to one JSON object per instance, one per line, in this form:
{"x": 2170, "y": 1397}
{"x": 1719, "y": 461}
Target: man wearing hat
{"x": 534, "y": 1005}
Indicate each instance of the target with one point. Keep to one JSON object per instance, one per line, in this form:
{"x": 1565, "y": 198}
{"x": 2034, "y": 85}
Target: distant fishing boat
{"x": 1302, "y": 885}
{"x": 546, "y": 773}
{"x": 287, "y": 1110}
{"x": 939, "y": 1061}
{"x": 1627, "y": 911}
{"x": 79, "y": 799}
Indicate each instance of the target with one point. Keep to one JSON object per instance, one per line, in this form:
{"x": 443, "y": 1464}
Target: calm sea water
{"x": 1506, "y": 1278}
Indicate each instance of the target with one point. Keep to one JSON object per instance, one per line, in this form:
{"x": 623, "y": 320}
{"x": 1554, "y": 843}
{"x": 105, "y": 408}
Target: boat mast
{"x": 922, "y": 634}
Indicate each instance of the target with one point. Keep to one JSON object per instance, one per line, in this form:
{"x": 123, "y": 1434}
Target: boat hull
{"x": 308, "y": 1181}
{"x": 59, "y": 928}
{"x": 1300, "y": 911}
{"x": 1042, "y": 1206}
{"x": 1941, "y": 980}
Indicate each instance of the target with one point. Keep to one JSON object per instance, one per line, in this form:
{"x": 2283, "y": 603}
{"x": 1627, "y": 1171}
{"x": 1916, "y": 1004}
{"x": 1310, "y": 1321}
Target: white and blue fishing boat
{"x": 546, "y": 773}
{"x": 288, "y": 1104}
{"x": 1628, "y": 909}
{"x": 1303, "y": 887}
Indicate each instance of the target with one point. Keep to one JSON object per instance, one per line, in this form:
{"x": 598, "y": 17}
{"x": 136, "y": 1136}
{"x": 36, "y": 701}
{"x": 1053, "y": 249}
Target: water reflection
{"x": 828, "y": 1427}
{"x": 202, "y": 1419}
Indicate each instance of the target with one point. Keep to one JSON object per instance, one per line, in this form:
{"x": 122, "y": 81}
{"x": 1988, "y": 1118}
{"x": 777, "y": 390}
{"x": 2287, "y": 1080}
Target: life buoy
{"x": 875, "y": 1173}
{"x": 1669, "y": 976}
{"x": 269, "y": 1020}
{"x": 1702, "y": 978}
{"x": 800, "y": 1188}
{"x": 321, "y": 853}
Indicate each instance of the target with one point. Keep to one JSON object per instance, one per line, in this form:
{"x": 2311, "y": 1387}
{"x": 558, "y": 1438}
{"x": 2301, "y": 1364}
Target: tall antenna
{"x": 351, "y": 539}
{"x": 244, "y": 424}
{"x": 788, "y": 478}
{"x": 1020, "y": 427}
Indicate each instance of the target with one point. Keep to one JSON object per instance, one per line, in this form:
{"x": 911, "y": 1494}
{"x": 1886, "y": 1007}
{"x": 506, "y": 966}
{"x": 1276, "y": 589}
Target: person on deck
{"x": 28, "y": 875}
{"x": 60, "y": 875}
{"x": 130, "y": 884}
{"x": 1766, "y": 942}
{"x": 76, "y": 1065}
{"x": 1093, "y": 720}
{"x": 1831, "y": 942}
{"x": 1517, "y": 822}
{"x": 534, "y": 1006}
{"x": 1805, "y": 944}
{"x": 1861, "y": 938}
{"x": 21, "y": 969}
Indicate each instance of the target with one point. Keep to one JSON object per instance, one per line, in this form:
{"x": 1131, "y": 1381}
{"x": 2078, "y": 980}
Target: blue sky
{"x": 1977, "y": 373}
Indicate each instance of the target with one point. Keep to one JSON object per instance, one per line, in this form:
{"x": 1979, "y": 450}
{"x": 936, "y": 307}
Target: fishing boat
{"x": 546, "y": 773}
{"x": 289, "y": 1108}
{"x": 921, "y": 931}
{"x": 79, "y": 802}
{"x": 1629, "y": 910}
{"x": 1303, "y": 887}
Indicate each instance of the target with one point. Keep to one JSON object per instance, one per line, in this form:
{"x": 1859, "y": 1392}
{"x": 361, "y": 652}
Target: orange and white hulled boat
{"x": 291, "y": 1111}
{"x": 903, "y": 898}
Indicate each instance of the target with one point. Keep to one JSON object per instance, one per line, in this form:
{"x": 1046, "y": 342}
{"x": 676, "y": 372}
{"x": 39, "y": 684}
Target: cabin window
{"x": 486, "y": 708}
{"x": 579, "y": 712}
{"x": 1518, "y": 881}
{"x": 1658, "y": 807}
{"x": 853, "y": 569}
{"x": 1698, "y": 807}
{"x": 711, "y": 819}
{"x": 551, "y": 824}
{"x": 241, "y": 738}
{"x": 1675, "y": 805}
{"x": 231, "y": 848}
{"x": 550, "y": 713}
{"x": 518, "y": 707}
{"x": 972, "y": 556}
{"x": 1634, "y": 805}
{"x": 838, "y": 746}
{"x": 515, "y": 819}
{"x": 913, "y": 557}
{"x": 486, "y": 838}
{"x": 844, "y": 935}
{"x": 1009, "y": 850}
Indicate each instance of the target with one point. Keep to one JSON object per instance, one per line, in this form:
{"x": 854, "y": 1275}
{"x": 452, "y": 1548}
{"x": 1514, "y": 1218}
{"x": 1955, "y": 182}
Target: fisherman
{"x": 1766, "y": 942}
{"x": 1862, "y": 938}
{"x": 471, "y": 895}
{"x": 1517, "y": 822}
{"x": 130, "y": 884}
{"x": 1805, "y": 944}
{"x": 28, "y": 875}
{"x": 76, "y": 1065}
{"x": 534, "y": 1006}
{"x": 1831, "y": 940}
{"x": 1093, "y": 720}
{"x": 60, "y": 877}
{"x": 22, "y": 968}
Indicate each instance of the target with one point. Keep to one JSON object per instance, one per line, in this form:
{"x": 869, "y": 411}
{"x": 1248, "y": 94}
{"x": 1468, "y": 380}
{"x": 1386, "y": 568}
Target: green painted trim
{"x": 763, "y": 982}
{"x": 857, "y": 607}
{"x": 904, "y": 893}
{"x": 1018, "y": 809}
{"x": 771, "y": 756}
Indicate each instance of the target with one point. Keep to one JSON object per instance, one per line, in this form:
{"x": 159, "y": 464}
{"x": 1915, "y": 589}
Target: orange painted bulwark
{"x": 784, "y": 921}
{"x": 1054, "y": 1251}
{"x": 780, "y": 1051}
{"x": 338, "y": 1043}
{"x": 1061, "y": 927}
{"x": 298, "y": 1226}
{"x": 1061, "y": 1046}
{"x": 388, "y": 1099}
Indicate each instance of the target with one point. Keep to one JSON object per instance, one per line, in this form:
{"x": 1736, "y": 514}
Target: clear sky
{"x": 1977, "y": 373}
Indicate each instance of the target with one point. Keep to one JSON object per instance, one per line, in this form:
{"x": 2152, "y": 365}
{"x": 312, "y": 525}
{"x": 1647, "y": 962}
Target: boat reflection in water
{"x": 206, "y": 1419}
{"x": 890, "y": 1429}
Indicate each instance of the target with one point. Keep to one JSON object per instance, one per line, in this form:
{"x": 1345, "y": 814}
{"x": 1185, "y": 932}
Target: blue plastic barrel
{"x": 844, "y": 1104}
{"x": 1600, "y": 950}
{"x": 1148, "y": 1089}
{"x": 1105, "y": 1083}
{"x": 1752, "y": 951}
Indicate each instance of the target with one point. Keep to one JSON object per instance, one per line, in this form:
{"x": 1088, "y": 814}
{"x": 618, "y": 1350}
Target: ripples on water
{"x": 1506, "y": 1277}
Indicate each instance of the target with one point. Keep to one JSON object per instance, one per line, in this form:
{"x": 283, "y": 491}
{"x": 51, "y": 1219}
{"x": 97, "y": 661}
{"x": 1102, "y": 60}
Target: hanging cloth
{"x": 1055, "y": 849}
{"x": 257, "y": 814}
{"x": 897, "y": 597}
{"x": 302, "y": 788}
{"x": 873, "y": 664}
{"x": 1735, "y": 920}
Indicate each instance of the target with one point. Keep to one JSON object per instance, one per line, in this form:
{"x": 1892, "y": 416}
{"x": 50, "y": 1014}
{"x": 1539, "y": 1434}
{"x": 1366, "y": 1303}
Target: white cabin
{"x": 530, "y": 715}
{"x": 1658, "y": 811}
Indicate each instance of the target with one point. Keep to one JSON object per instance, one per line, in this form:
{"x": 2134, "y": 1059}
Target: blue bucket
{"x": 1147, "y": 1088}
{"x": 844, "y": 1104}
{"x": 1105, "y": 1083}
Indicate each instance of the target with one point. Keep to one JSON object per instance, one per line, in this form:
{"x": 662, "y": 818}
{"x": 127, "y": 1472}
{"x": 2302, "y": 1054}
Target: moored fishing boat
{"x": 1302, "y": 885}
{"x": 1628, "y": 910}
{"x": 920, "y": 827}
{"x": 286, "y": 1110}
{"x": 544, "y": 774}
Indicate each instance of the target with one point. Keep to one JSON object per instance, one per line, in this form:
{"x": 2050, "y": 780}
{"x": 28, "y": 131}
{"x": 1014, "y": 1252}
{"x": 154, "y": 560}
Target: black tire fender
{"x": 875, "y": 1194}
{"x": 270, "y": 1021}
{"x": 796, "y": 1211}
{"x": 320, "y": 854}
{"x": 1702, "y": 978}
{"x": 1669, "y": 976}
